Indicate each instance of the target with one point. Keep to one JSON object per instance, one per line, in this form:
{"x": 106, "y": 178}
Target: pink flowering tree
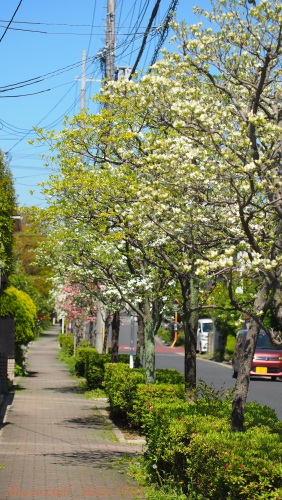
{"x": 78, "y": 307}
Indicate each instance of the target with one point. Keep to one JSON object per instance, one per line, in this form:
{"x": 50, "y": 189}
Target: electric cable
{"x": 10, "y": 22}
{"x": 165, "y": 29}
{"x": 45, "y": 76}
{"x": 136, "y": 26}
{"x": 92, "y": 26}
{"x": 25, "y": 95}
{"x": 130, "y": 35}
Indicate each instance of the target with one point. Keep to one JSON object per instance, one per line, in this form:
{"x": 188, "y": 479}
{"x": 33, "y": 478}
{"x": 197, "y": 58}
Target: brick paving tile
{"x": 54, "y": 443}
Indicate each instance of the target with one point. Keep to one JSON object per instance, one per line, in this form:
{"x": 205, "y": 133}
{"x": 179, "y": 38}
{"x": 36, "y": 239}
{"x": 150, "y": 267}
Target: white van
{"x": 205, "y": 327}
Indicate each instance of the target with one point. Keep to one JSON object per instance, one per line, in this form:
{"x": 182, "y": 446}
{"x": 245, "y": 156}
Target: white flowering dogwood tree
{"x": 91, "y": 243}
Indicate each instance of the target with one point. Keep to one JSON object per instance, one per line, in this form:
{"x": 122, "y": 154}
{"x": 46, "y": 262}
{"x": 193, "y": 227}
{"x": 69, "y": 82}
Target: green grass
{"x": 95, "y": 394}
{"x": 69, "y": 361}
{"x": 137, "y": 470}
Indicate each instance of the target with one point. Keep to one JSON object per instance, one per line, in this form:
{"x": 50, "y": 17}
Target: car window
{"x": 264, "y": 342}
{"x": 207, "y": 327}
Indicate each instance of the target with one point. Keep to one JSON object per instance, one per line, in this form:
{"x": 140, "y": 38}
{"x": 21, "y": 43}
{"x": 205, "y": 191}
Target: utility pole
{"x": 110, "y": 39}
{"x": 110, "y": 72}
{"x": 83, "y": 80}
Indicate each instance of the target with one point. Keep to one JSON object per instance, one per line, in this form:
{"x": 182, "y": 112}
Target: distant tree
{"x": 7, "y": 210}
{"x": 27, "y": 275}
{"x": 34, "y": 278}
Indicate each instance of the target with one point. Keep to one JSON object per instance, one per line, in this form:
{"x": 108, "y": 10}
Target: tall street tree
{"x": 7, "y": 211}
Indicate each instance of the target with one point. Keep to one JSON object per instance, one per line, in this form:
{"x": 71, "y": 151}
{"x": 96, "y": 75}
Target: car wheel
{"x": 273, "y": 378}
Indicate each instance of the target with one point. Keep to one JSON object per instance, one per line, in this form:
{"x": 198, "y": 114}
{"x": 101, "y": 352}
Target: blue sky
{"x": 43, "y": 48}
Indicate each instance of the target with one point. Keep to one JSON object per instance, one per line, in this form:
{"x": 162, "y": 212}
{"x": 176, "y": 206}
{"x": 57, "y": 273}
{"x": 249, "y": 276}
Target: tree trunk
{"x": 115, "y": 336}
{"x": 140, "y": 347}
{"x": 149, "y": 345}
{"x": 243, "y": 380}
{"x": 91, "y": 333}
{"x": 149, "y": 353}
{"x": 190, "y": 323}
{"x": 106, "y": 333}
{"x": 190, "y": 369}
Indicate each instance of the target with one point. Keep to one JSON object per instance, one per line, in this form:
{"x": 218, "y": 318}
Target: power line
{"x": 153, "y": 15}
{"x": 164, "y": 31}
{"x": 24, "y": 95}
{"x": 131, "y": 34}
{"x": 10, "y": 22}
{"x": 45, "y": 76}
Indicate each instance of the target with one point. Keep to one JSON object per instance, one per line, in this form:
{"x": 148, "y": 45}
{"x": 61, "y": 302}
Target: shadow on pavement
{"x": 7, "y": 401}
{"x": 32, "y": 374}
{"x": 97, "y": 459}
{"x": 64, "y": 390}
{"x": 91, "y": 422}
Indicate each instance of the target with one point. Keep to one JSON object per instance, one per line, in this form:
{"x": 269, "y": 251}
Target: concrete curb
{"x": 117, "y": 432}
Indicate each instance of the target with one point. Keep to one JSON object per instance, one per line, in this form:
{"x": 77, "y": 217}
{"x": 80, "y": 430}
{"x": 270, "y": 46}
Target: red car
{"x": 267, "y": 361}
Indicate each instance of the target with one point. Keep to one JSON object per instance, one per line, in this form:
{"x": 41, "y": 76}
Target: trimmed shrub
{"x": 120, "y": 384}
{"x": 147, "y": 395}
{"x": 66, "y": 343}
{"x": 82, "y": 357}
{"x": 198, "y": 451}
{"x": 94, "y": 377}
{"x": 169, "y": 376}
{"x": 130, "y": 398}
{"x": 20, "y": 306}
{"x": 91, "y": 365}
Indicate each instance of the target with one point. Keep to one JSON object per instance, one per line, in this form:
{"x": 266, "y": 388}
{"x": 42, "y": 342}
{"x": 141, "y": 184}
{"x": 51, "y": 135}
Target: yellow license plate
{"x": 261, "y": 369}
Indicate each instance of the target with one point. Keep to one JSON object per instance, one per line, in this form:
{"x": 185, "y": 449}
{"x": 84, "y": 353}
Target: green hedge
{"x": 168, "y": 376}
{"x": 129, "y": 400}
{"x": 120, "y": 384}
{"x": 66, "y": 343}
{"x": 83, "y": 358}
{"x": 230, "y": 346}
{"x": 200, "y": 453}
{"x": 189, "y": 446}
{"x": 91, "y": 365}
{"x": 146, "y": 396}
{"x": 20, "y": 306}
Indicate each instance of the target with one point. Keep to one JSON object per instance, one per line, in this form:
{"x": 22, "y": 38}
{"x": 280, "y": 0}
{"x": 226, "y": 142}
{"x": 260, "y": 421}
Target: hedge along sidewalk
{"x": 56, "y": 442}
{"x": 190, "y": 449}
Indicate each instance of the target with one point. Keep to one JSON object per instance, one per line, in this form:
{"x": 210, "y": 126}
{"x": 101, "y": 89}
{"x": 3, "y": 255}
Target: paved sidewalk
{"x": 55, "y": 443}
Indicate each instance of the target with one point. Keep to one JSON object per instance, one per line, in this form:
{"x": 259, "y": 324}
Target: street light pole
{"x": 175, "y": 305}
{"x": 131, "y": 352}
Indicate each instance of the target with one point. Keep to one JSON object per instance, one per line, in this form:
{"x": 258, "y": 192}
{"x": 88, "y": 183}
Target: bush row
{"x": 91, "y": 365}
{"x": 189, "y": 446}
{"x": 66, "y": 343}
{"x": 88, "y": 362}
{"x": 130, "y": 398}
